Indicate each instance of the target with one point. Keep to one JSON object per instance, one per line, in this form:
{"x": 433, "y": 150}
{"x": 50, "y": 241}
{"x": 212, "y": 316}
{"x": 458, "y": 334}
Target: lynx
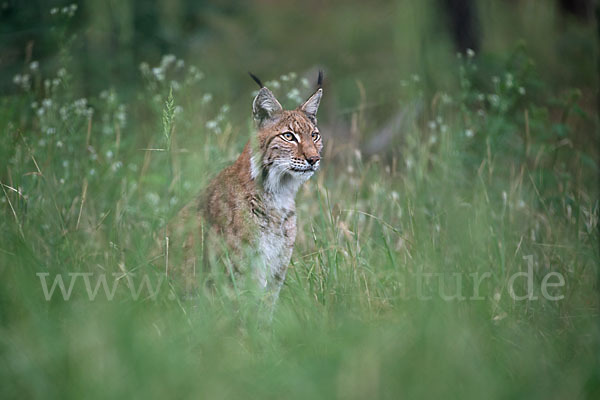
{"x": 251, "y": 203}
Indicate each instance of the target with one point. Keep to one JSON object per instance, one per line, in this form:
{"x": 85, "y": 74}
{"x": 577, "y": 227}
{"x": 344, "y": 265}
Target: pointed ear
{"x": 311, "y": 106}
{"x": 265, "y": 105}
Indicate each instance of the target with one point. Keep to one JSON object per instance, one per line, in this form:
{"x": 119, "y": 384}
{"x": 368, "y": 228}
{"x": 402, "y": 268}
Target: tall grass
{"x": 382, "y": 298}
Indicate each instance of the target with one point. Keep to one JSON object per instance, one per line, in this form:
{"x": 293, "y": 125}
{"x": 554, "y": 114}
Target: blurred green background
{"x": 373, "y": 42}
{"x": 461, "y": 137}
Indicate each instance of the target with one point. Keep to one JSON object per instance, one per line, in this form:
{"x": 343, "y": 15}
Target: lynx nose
{"x": 313, "y": 159}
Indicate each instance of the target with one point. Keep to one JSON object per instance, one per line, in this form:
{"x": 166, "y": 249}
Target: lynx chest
{"x": 276, "y": 236}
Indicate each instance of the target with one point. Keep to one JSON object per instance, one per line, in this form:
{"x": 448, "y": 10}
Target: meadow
{"x": 447, "y": 248}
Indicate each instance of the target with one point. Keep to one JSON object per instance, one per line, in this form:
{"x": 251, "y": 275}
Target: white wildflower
{"x": 72, "y": 9}
{"x": 294, "y": 94}
{"x": 494, "y": 100}
{"x": 80, "y": 103}
{"x": 25, "y": 84}
{"x": 64, "y": 113}
{"x": 145, "y": 68}
{"x": 116, "y": 166}
{"x": 159, "y": 74}
{"x": 273, "y": 84}
{"x": 121, "y": 115}
{"x": 207, "y": 98}
{"x": 167, "y": 60}
{"x": 508, "y": 80}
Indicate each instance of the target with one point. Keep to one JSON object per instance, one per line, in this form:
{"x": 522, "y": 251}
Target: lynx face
{"x": 288, "y": 150}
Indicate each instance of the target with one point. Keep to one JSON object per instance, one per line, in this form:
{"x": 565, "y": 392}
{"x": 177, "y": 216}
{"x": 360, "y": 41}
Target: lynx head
{"x": 287, "y": 149}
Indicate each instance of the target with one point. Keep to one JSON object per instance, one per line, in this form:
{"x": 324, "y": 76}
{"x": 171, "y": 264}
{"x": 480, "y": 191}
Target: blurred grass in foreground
{"x": 498, "y": 168}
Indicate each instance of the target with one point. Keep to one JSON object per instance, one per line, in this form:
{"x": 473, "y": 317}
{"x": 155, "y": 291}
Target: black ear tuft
{"x": 320, "y": 79}
{"x": 256, "y": 79}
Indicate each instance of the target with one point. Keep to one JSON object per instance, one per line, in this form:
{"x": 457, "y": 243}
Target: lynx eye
{"x": 315, "y": 136}
{"x": 289, "y": 136}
